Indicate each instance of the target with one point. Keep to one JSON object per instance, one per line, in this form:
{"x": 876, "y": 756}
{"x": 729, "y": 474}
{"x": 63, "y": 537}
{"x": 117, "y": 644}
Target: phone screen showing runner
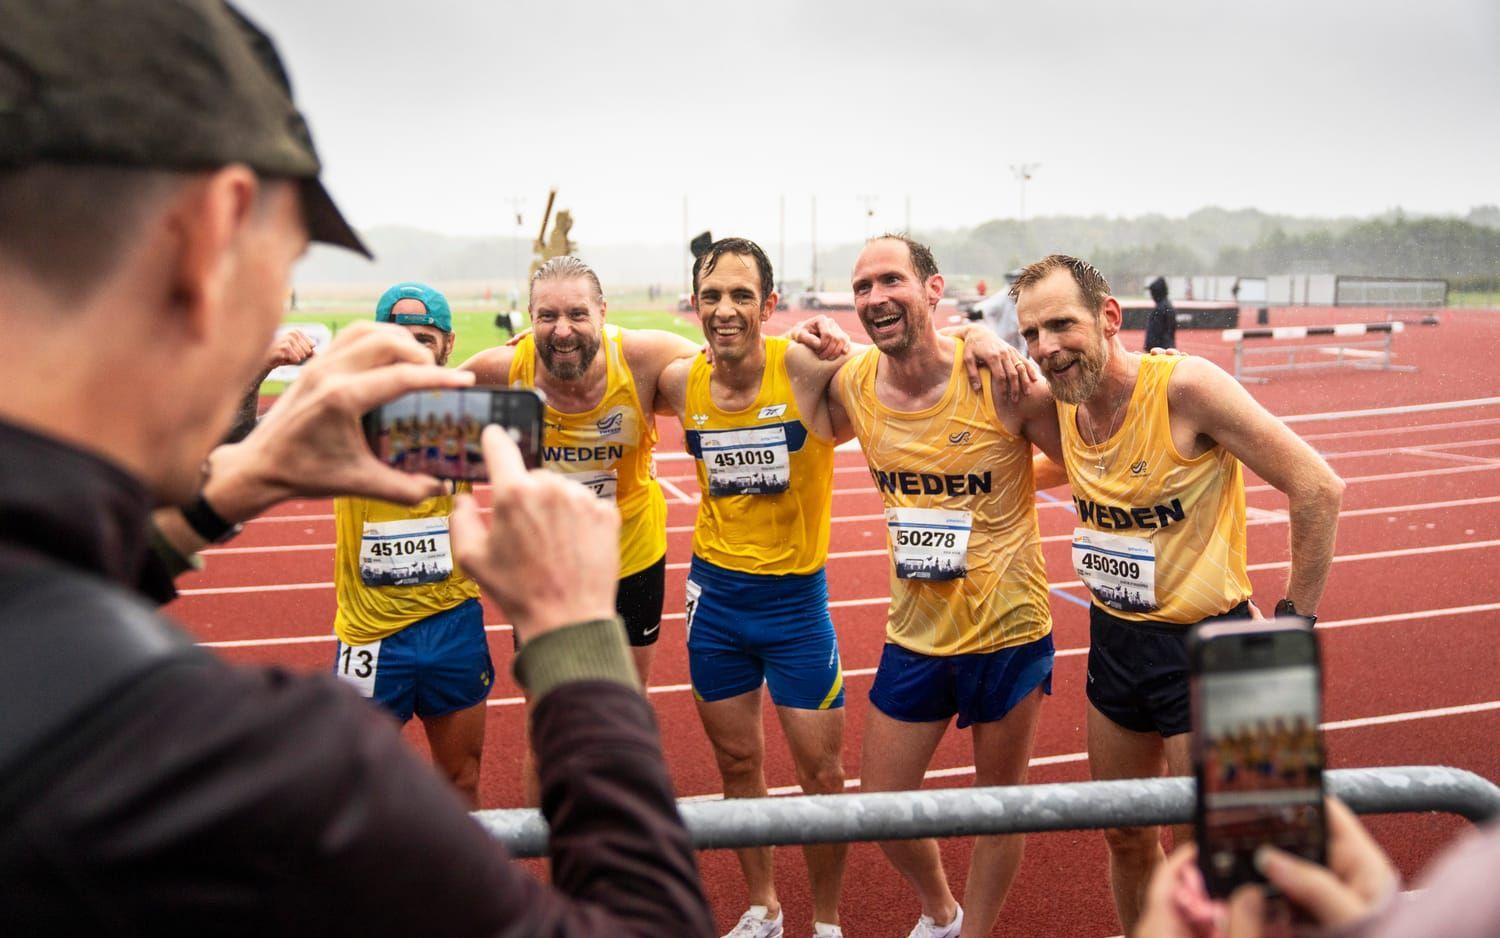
{"x": 437, "y": 432}
{"x": 1257, "y": 750}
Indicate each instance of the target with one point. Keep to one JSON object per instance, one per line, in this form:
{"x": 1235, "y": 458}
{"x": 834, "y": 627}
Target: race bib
{"x": 357, "y": 664}
{"x": 746, "y": 462}
{"x": 1119, "y": 571}
{"x": 601, "y": 482}
{"x": 405, "y": 553}
{"x": 929, "y": 543}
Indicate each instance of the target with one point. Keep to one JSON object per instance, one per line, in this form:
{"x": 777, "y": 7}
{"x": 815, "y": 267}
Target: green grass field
{"x": 476, "y": 329}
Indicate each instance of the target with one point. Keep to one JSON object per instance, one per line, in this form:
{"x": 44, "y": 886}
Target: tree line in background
{"x": 1245, "y": 243}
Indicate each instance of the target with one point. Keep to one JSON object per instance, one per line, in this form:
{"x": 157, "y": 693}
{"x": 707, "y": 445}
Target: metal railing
{"x": 1016, "y": 809}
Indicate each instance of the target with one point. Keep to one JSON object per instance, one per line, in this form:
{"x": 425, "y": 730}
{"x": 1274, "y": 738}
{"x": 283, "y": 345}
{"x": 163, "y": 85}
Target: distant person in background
{"x": 998, "y": 313}
{"x": 1161, "y": 325}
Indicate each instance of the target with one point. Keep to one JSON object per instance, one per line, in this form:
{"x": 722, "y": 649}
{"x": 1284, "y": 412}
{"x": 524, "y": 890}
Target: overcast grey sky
{"x": 433, "y": 114}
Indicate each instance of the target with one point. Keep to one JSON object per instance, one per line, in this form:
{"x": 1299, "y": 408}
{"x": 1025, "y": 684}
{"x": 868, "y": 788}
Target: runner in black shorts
{"x": 1156, "y": 448}
{"x": 1138, "y": 671}
{"x": 638, "y": 600}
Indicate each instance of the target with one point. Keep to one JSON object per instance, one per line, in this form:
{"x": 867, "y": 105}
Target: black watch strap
{"x": 207, "y": 523}
{"x": 1284, "y": 607}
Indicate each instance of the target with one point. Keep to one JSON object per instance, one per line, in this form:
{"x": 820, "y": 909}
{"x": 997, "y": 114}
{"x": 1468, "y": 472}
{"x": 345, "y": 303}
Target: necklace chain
{"x": 1102, "y": 465}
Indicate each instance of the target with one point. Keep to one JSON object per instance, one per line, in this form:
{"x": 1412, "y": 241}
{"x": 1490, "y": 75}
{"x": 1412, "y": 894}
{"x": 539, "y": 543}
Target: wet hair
{"x": 922, "y": 262}
{"x": 704, "y": 263}
{"x": 566, "y": 267}
{"x": 1092, "y": 287}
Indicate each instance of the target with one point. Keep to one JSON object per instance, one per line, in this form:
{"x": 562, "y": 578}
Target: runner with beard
{"x": 409, "y": 624}
{"x": 757, "y": 420}
{"x": 600, "y": 385}
{"x": 969, "y": 629}
{"x": 1153, "y": 447}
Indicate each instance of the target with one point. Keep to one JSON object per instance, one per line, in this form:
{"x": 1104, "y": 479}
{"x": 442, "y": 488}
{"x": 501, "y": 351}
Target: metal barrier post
{"x": 957, "y": 812}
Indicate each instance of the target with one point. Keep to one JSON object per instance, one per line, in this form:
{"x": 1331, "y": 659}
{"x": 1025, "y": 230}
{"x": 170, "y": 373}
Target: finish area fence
{"x": 1015, "y": 809}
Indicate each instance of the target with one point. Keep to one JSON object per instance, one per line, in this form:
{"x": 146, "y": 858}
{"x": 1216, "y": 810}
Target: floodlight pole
{"x": 781, "y": 248}
{"x": 814, "y": 284}
{"x": 1023, "y": 173}
{"x": 516, "y": 202}
{"x": 869, "y": 203}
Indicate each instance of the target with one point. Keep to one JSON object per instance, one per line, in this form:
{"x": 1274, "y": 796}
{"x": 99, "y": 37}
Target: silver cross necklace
{"x": 1101, "y": 464}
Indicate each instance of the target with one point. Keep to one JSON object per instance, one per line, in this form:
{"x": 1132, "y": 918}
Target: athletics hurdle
{"x": 1373, "y": 355}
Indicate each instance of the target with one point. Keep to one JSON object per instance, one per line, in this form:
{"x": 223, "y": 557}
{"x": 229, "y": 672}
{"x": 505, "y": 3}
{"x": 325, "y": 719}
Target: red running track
{"x": 1410, "y": 642}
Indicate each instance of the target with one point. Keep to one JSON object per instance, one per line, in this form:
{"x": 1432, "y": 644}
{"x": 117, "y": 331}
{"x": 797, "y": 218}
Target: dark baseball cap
{"x": 160, "y": 84}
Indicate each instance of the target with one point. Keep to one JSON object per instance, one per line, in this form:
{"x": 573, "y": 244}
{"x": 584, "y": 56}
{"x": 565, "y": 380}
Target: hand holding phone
{"x": 1257, "y": 750}
{"x": 438, "y": 432}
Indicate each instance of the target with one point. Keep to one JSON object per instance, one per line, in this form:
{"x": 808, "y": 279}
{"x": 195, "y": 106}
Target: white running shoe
{"x": 825, "y": 930}
{"x": 927, "y": 928}
{"x": 755, "y": 924}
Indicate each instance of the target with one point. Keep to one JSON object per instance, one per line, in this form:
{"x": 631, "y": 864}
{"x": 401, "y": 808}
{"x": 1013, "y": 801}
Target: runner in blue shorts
{"x": 745, "y": 629}
{"x": 409, "y": 624}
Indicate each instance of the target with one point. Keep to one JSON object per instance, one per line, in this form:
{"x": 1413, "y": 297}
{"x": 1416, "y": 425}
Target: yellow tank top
{"x": 966, "y": 553}
{"x": 766, "y": 477}
{"x": 1160, "y": 538}
{"x": 393, "y": 565}
{"x": 609, "y": 450}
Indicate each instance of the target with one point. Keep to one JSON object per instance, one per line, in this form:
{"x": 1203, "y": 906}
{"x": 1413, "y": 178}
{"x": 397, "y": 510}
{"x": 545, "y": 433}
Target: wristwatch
{"x": 209, "y": 524}
{"x": 1284, "y": 607}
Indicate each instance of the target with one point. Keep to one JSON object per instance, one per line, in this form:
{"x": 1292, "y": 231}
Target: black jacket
{"x": 203, "y": 799}
{"x": 1161, "y": 323}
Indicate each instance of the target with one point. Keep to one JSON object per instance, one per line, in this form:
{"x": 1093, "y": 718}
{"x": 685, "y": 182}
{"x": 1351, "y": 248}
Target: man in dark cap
{"x": 156, "y": 185}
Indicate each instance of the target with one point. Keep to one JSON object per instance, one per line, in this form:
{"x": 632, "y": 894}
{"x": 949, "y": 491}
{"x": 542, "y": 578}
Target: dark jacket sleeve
{"x": 225, "y": 801}
{"x": 617, "y": 842}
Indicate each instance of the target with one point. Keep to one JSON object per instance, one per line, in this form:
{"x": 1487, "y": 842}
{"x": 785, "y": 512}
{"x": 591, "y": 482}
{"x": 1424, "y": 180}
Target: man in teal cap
{"x": 409, "y": 624}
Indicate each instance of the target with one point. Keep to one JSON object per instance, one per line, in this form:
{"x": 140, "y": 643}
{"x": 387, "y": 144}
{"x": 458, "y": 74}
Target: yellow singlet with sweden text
{"x": 608, "y": 449}
{"x": 766, "y": 477}
{"x": 1160, "y": 538}
{"x": 966, "y": 568}
{"x": 368, "y": 613}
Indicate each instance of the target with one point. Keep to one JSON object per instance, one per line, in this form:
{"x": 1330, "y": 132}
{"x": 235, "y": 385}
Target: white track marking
{"x": 1452, "y": 457}
{"x": 1390, "y": 411}
{"x": 966, "y": 770}
{"x": 1256, "y": 515}
{"x": 1418, "y": 428}
{"x": 678, "y": 493}
{"x": 1255, "y": 567}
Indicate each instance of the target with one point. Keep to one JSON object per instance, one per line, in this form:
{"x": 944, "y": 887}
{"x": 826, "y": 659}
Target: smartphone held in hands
{"x": 1257, "y": 750}
{"x": 438, "y": 432}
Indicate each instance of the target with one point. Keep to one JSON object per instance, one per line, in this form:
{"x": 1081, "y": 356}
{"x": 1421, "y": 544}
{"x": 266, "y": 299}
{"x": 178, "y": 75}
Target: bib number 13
{"x": 358, "y": 665}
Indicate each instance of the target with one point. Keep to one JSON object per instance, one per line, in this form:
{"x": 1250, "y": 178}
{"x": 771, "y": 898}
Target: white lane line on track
{"x": 1452, "y": 457}
{"x": 1255, "y": 516}
{"x": 1393, "y": 431}
{"x": 862, "y": 672}
{"x": 966, "y": 770}
{"x": 1294, "y": 418}
{"x": 1066, "y": 584}
{"x": 1391, "y": 411}
{"x": 677, "y": 493}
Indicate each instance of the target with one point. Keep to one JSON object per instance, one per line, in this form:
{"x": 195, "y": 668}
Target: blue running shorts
{"x": 433, "y": 667}
{"x": 746, "y": 628}
{"x": 980, "y": 687}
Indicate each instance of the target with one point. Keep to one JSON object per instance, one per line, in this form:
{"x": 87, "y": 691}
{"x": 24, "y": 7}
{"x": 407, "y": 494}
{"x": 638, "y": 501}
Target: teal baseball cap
{"x": 437, "y": 313}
